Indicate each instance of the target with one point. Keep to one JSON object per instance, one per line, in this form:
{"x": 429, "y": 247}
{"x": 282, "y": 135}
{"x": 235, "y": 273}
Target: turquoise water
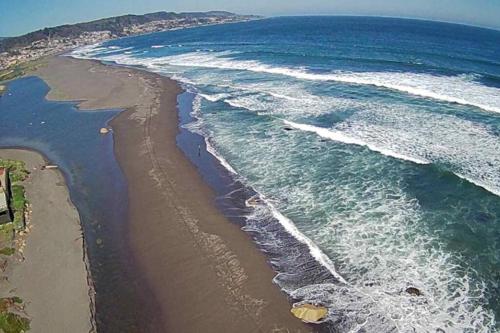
{"x": 373, "y": 142}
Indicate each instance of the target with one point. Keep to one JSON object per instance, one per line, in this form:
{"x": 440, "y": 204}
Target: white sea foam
{"x": 222, "y": 160}
{"x": 492, "y": 189}
{"x": 466, "y": 148}
{"x": 214, "y": 97}
{"x": 314, "y": 250}
{"x": 455, "y": 89}
{"x": 158, "y": 46}
{"x": 288, "y": 225}
{"x": 293, "y": 100}
{"x": 86, "y": 52}
{"x": 263, "y": 99}
{"x": 90, "y": 51}
{"x": 341, "y": 137}
{"x": 475, "y": 164}
{"x": 180, "y": 78}
{"x": 239, "y": 103}
{"x": 379, "y": 244}
{"x": 197, "y": 127}
{"x": 461, "y": 89}
{"x": 385, "y": 250}
{"x": 374, "y": 231}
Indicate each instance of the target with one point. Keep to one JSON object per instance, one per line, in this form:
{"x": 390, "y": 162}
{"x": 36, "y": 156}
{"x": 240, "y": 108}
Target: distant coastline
{"x": 14, "y": 51}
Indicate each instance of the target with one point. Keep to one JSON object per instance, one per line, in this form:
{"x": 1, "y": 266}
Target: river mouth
{"x": 383, "y": 165}
{"x": 70, "y": 139}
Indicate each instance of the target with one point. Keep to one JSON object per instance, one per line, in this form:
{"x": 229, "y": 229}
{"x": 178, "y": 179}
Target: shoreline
{"x": 55, "y": 258}
{"x": 219, "y": 260}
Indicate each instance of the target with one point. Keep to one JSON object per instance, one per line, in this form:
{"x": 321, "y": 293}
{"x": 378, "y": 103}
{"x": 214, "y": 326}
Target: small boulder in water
{"x": 371, "y": 283}
{"x": 309, "y": 313}
{"x": 104, "y": 130}
{"x": 413, "y": 291}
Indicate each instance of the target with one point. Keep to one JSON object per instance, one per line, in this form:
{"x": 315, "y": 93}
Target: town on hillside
{"x": 32, "y": 46}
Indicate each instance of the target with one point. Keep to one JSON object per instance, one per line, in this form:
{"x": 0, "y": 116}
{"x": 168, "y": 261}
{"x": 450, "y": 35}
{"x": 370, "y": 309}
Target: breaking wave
{"x": 341, "y": 137}
{"x": 460, "y": 89}
{"x": 361, "y": 224}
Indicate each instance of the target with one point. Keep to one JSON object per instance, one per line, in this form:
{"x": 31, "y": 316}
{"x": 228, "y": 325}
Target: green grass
{"x": 10, "y": 74}
{"x": 22, "y": 69}
{"x": 17, "y": 300}
{"x": 18, "y": 220}
{"x": 17, "y": 173}
{"x": 6, "y": 233}
{"x": 7, "y": 251}
{"x": 17, "y": 170}
{"x": 18, "y": 205}
{"x": 13, "y": 323}
{"x": 18, "y": 197}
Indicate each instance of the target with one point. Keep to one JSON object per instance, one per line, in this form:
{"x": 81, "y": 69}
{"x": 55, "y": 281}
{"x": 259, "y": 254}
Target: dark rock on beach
{"x": 413, "y": 291}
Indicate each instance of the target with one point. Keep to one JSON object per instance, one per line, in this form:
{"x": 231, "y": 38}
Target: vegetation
{"x": 115, "y": 25}
{"x": 6, "y": 233}
{"x": 7, "y": 251}
{"x": 19, "y": 70}
{"x": 17, "y": 173}
{"x": 13, "y": 323}
{"x": 17, "y": 170}
{"x": 19, "y": 203}
{"x": 18, "y": 199}
{"x": 10, "y": 319}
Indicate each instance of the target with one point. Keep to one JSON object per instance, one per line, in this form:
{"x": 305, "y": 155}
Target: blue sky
{"x": 21, "y": 16}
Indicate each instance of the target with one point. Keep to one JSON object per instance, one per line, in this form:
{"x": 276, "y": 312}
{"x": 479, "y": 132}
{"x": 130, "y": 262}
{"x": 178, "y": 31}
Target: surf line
{"x": 285, "y": 222}
{"x": 341, "y": 137}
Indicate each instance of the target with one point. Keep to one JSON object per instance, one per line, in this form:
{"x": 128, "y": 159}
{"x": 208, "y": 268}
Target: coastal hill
{"x": 118, "y": 25}
{"x": 34, "y": 45}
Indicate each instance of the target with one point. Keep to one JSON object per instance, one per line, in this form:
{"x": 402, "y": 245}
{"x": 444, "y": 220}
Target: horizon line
{"x": 416, "y": 18}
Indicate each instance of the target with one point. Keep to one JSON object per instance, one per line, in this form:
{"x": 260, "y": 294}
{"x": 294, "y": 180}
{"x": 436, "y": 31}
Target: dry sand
{"x": 52, "y": 279}
{"x": 206, "y": 274}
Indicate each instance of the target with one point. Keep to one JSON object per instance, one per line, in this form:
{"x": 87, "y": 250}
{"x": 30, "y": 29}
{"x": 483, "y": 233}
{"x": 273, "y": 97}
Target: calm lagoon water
{"x": 71, "y": 139}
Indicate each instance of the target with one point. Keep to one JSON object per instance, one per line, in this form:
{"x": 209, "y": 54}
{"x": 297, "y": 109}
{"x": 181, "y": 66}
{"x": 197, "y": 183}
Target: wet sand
{"x": 204, "y": 271}
{"x": 52, "y": 279}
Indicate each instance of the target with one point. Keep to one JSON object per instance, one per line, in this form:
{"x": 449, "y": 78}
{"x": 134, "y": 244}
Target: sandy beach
{"x": 204, "y": 271}
{"x": 52, "y": 279}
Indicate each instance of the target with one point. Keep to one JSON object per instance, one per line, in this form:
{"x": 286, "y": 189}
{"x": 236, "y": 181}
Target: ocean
{"x": 372, "y": 150}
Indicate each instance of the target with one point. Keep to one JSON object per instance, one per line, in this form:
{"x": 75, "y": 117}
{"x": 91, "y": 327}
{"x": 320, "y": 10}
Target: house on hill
{"x": 5, "y": 212}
